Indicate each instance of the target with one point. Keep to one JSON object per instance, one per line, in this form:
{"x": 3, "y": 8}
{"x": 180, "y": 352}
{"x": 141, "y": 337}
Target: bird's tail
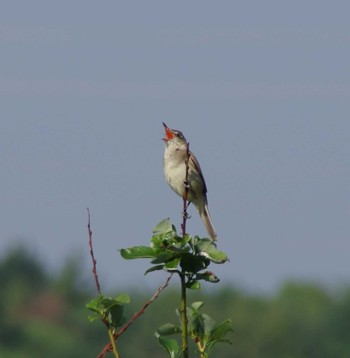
{"x": 205, "y": 216}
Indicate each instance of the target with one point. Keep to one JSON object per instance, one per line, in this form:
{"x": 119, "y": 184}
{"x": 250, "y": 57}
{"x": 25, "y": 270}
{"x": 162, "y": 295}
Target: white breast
{"x": 174, "y": 170}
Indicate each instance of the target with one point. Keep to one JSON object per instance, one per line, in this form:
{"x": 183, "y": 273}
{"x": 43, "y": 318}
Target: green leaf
{"x": 197, "y": 305}
{"x": 192, "y": 264}
{"x": 178, "y": 248}
{"x": 93, "y": 318}
{"x": 154, "y": 268}
{"x": 208, "y": 323}
{"x": 168, "y": 329}
{"x": 172, "y": 265}
{"x": 193, "y": 285}
{"x": 114, "y": 309}
{"x": 208, "y": 276}
{"x": 102, "y": 302}
{"x": 160, "y": 242}
{"x": 109, "y": 309}
{"x": 164, "y": 226}
{"x": 170, "y": 345}
{"x": 123, "y": 299}
{"x": 205, "y": 245}
{"x": 218, "y": 257}
{"x": 164, "y": 235}
{"x": 218, "y": 333}
{"x": 207, "y": 248}
{"x": 137, "y": 252}
{"x": 116, "y": 317}
{"x": 94, "y": 304}
{"x": 196, "y": 325}
{"x": 164, "y": 257}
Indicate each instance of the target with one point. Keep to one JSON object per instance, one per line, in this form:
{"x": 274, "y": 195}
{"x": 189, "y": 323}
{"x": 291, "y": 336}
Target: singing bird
{"x": 174, "y": 162}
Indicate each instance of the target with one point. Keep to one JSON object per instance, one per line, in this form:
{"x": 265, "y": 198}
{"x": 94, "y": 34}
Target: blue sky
{"x": 260, "y": 89}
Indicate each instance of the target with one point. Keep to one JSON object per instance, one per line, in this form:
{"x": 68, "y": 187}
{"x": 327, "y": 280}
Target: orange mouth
{"x": 169, "y": 134}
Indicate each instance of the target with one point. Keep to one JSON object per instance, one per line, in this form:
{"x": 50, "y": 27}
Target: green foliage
{"x": 190, "y": 258}
{"x": 170, "y": 345}
{"x": 173, "y": 253}
{"x": 202, "y": 329}
{"x": 109, "y": 310}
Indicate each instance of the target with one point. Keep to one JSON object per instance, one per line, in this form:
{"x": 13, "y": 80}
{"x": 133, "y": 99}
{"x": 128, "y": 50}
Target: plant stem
{"x": 201, "y": 350}
{"x": 184, "y": 320}
{"x": 114, "y": 347}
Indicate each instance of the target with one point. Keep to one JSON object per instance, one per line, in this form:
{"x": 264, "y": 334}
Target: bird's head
{"x": 173, "y": 135}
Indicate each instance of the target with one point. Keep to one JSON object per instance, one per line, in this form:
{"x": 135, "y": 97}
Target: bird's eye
{"x": 180, "y": 135}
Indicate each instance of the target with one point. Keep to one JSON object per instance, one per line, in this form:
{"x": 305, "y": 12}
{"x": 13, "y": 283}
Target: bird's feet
{"x": 186, "y": 215}
{"x": 187, "y": 186}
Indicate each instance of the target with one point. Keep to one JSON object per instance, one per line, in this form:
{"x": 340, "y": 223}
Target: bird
{"x": 174, "y": 162}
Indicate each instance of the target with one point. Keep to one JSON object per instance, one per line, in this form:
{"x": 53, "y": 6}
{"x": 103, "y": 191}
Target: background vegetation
{"x": 45, "y": 316}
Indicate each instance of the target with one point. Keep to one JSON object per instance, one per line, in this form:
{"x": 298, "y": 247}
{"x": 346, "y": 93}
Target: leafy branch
{"x": 202, "y": 329}
{"x": 189, "y": 258}
{"x": 110, "y": 310}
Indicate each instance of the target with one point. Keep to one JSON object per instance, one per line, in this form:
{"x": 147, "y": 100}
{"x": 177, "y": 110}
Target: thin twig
{"x": 136, "y": 315}
{"x": 98, "y": 286}
{"x": 94, "y": 270}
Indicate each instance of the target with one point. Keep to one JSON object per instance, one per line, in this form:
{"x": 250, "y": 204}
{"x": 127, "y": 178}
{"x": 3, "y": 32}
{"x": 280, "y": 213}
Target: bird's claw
{"x": 187, "y": 185}
{"x": 186, "y": 215}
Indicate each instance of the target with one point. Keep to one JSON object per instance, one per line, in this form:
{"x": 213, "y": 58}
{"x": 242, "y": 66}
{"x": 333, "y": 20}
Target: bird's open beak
{"x": 169, "y": 134}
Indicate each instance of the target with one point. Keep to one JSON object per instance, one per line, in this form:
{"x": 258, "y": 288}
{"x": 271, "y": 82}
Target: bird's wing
{"x": 195, "y": 163}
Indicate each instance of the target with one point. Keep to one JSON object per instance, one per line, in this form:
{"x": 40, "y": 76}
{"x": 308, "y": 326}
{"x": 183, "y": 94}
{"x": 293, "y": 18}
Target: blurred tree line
{"x": 45, "y": 316}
